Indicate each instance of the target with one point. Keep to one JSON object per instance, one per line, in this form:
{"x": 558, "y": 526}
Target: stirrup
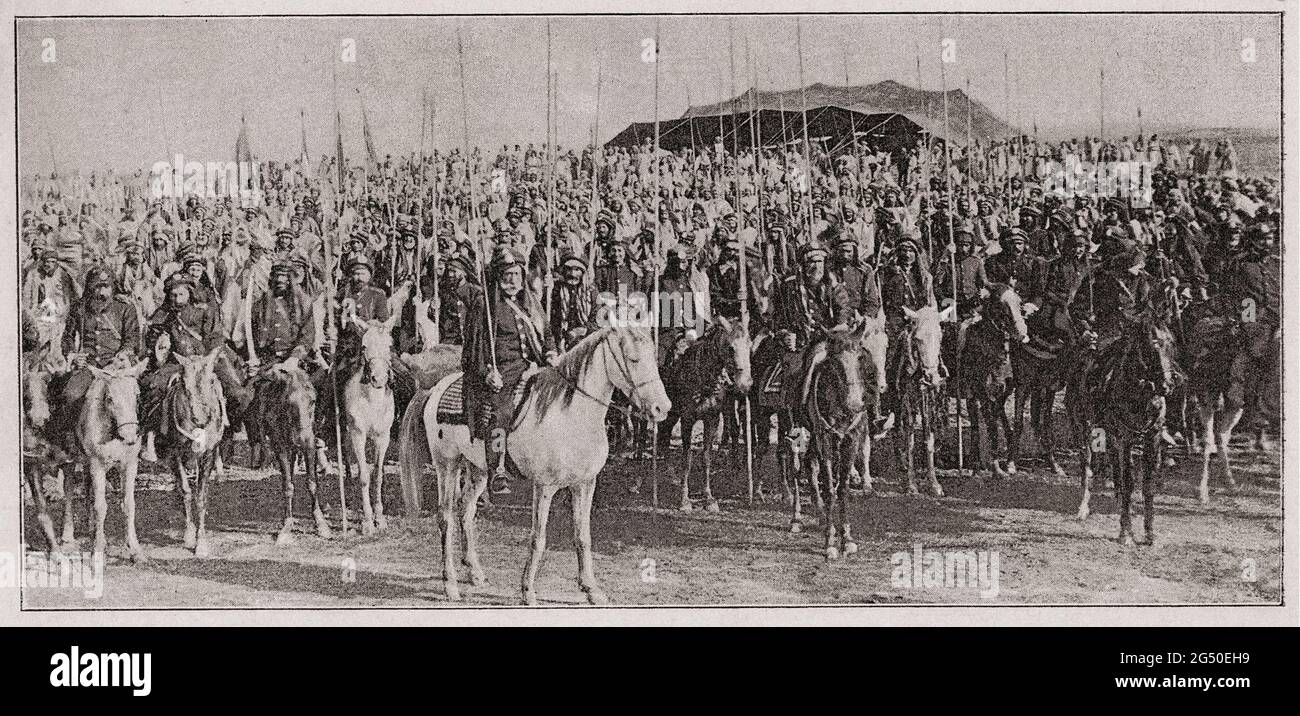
{"x": 499, "y": 482}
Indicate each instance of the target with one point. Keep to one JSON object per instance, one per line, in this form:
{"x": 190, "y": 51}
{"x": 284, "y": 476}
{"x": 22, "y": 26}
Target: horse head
{"x": 734, "y": 345}
{"x": 1158, "y": 345}
{"x": 636, "y": 372}
{"x": 1003, "y": 308}
{"x": 200, "y": 390}
{"x": 377, "y": 352}
{"x": 844, "y": 352}
{"x": 926, "y": 342}
{"x": 299, "y": 398}
{"x": 875, "y": 344}
{"x": 121, "y": 397}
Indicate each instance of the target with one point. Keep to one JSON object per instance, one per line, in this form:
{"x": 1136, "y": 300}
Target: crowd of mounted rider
{"x": 112, "y": 275}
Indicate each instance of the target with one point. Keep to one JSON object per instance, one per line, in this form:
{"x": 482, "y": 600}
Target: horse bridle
{"x": 625, "y": 371}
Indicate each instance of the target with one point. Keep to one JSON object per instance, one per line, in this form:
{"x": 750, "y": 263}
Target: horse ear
{"x": 909, "y": 313}
{"x": 984, "y": 292}
{"x": 136, "y": 370}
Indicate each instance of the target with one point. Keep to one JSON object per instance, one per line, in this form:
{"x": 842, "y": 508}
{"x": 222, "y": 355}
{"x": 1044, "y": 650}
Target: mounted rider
{"x": 495, "y": 361}
{"x": 906, "y": 284}
{"x": 573, "y": 309}
{"x": 806, "y": 306}
{"x": 184, "y": 326}
{"x": 101, "y": 330}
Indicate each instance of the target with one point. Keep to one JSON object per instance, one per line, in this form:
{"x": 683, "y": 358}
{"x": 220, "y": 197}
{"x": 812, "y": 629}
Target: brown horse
{"x": 1120, "y": 398}
{"x": 1213, "y": 347}
{"x": 570, "y": 399}
{"x": 281, "y": 417}
{"x": 194, "y": 422}
{"x": 106, "y": 437}
{"x": 981, "y": 349}
{"x": 835, "y": 415}
{"x": 698, "y": 383}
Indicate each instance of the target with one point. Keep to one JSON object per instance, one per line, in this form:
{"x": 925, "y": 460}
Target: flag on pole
{"x": 372, "y": 157}
{"x": 338, "y": 147}
{"x": 302, "y": 123}
{"x": 243, "y": 152}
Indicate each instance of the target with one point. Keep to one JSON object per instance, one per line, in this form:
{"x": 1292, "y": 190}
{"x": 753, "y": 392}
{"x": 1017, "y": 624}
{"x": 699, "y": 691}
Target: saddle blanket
{"x": 451, "y": 404}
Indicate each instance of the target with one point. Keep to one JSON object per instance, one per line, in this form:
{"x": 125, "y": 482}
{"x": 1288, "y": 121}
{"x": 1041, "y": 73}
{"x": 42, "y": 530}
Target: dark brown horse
{"x": 981, "y": 349}
{"x": 698, "y": 383}
{"x": 1120, "y": 399}
{"x": 281, "y": 418}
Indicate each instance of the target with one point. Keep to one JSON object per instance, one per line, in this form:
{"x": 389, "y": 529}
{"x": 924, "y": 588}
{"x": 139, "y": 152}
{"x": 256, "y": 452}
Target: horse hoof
{"x": 1011, "y": 467}
{"x": 1082, "y": 514}
{"x": 937, "y": 490}
{"x": 597, "y": 598}
{"x": 190, "y": 540}
{"x": 381, "y": 523}
{"x": 453, "y": 593}
{"x": 284, "y": 538}
{"x": 788, "y": 500}
{"x": 795, "y": 527}
{"x": 530, "y": 599}
{"x": 323, "y": 530}
{"x": 1170, "y": 462}
{"x": 201, "y": 549}
{"x": 850, "y": 548}
{"x": 712, "y": 506}
{"x": 832, "y": 553}
{"x": 139, "y": 558}
{"x": 1205, "y": 498}
{"x": 1150, "y": 541}
{"x": 1126, "y": 539}
{"x": 686, "y": 507}
{"x": 478, "y": 579}
{"x": 1058, "y": 471}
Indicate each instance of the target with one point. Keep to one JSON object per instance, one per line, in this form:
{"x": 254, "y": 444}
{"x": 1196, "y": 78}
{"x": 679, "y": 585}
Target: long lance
{"x": 595, "y": 170}
{"x": 437, "y": 220}
{"x": 807, "y": 160}
{"x": 947, "y": 172}
{"x": 759, "y": 177}
{"x": 735, "y": 131}
{"x": 785, "y": 173}
{"x": 419, "y": 201}
{"x": 744, "y": 274}
{"x": 970, "y": 151}
{"x": 550, "y": 175}
{"x": 345, "y": 474}
{"x": 1006, "y": 112}
{"x": 926, "y": 166}
{"x": 1101, "y": 92}
{"x": 654, "y": 309}
{"x": 853, "y": 142}
{"x": 473, "y": 210}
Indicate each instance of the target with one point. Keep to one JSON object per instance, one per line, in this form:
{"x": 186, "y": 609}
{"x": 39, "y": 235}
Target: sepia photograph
{"x": 970, "y": 309}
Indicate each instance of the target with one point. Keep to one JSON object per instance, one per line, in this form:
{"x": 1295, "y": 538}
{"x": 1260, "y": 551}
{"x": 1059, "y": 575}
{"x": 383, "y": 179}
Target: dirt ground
{"x": 1226, "y": 553}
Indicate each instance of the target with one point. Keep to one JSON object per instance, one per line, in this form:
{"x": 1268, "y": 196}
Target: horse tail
{"x": 413, "y": 449}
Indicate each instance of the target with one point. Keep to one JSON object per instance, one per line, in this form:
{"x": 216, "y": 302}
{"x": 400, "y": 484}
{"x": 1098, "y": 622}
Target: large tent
{"x": 887, "y": 115}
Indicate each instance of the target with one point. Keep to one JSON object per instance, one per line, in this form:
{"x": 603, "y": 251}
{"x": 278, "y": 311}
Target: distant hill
{"x": 923, "y": 107}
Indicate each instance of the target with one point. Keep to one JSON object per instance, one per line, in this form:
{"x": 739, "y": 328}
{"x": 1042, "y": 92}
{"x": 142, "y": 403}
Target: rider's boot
{"x": 498, "y": 478}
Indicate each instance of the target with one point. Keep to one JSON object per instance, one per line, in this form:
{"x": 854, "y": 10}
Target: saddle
{"x": 451, "y": 405}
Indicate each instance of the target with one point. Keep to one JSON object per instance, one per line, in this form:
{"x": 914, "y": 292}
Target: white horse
{"x": 558, "y": 441}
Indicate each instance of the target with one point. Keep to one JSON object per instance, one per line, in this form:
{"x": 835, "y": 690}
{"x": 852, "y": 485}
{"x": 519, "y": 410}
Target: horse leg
{"x": 187, "y": 499}
{"x": 381, "y": 450}
{"x": 1123, "y": 478}
{"x": 1044, "y": 429}
{"x": 129, "y": 473}
{"x": 826, "y": 494}
{"x": 1016, "y": 434}
{"x": 1206, "y": 411}
{"x": 1152, "y": 463}
{"x": 1228, "y": 421}
{"x": 68, "y": 537}
{"x": 710, "y": 430}
{"x": 309, "y": 461}
{"x": 865, "y": 456}
{"x": 286, "y": 459}
{"x": 580, "y": 496}
{"x": 358, "y": 440}
{"x": 848, "y": 450}
{"x": 449, "y": 493}
{"x": 542, "y": 495}
{"x": 469, "y": 533}
{"x": 1002, "y": 434}
{"x": 790, "y": 480}
{"x": 203, "y": 474}
{"x": 99, "y": 483}
{"x": 34, "y": 476}
{"x": 906, "y": 453}
{"x": 935, "y": 488}
{"x": 688, "y": 427}
{"x": 1085, "y": 467}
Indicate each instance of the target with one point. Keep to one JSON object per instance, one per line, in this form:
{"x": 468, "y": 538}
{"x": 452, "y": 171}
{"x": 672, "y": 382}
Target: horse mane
{"x": 559, "y": 382}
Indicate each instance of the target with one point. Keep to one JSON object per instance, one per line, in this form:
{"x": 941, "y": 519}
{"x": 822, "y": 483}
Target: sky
{"x": 129, "y": 92}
